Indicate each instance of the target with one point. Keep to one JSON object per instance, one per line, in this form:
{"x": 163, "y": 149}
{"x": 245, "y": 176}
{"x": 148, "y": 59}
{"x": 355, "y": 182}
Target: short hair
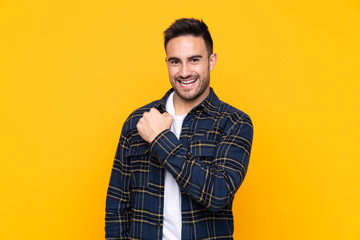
{"x": 192, "y": 27}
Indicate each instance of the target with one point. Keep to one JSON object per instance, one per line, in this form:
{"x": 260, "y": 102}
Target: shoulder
{"x": 233, "y": 117}
{"x": 225, "y": 113}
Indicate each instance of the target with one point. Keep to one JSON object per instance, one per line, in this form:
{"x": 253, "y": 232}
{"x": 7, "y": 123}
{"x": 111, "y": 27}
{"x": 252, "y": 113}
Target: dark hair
{"x": 192, "y": 27}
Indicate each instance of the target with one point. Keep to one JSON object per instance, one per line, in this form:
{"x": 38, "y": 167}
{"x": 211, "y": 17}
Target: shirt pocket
{"x": 139, "y": 158}
{"x": 205, "y": 150}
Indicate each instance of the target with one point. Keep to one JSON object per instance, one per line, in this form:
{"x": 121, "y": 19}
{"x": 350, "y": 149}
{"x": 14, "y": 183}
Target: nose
{"x": 185, "y": 71}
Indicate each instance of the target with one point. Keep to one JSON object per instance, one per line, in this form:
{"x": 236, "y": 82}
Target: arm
{"x": 117, "y": 220}
{"x": 212, "y": 185}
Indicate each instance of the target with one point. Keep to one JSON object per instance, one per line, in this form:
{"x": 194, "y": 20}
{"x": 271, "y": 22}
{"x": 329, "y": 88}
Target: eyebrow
{"x": 173, "y": 58}
{"x": 192, "y": 57}
{"x": 195, "y": 56}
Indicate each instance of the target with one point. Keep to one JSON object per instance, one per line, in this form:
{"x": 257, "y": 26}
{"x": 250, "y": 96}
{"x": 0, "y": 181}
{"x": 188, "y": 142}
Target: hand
{"x": 153, "y": 123}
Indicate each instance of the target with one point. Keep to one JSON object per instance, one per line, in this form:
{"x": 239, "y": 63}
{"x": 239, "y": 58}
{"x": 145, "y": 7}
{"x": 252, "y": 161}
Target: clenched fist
{"x": 153, "y": 123}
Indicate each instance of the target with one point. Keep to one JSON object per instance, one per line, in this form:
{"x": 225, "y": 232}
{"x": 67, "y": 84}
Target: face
{"x": 189, "y": 66}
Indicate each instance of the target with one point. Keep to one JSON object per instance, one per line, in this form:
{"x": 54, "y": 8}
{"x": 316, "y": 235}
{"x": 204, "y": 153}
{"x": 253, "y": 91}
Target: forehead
{"x": 184, "y": 46}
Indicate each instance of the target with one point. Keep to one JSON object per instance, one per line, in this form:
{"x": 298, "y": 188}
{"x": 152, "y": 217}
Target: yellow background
{"x": 72, "y": 71}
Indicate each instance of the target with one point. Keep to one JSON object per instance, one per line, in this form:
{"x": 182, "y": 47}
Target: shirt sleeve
{"x": 118, "y": 211}
{"x": 212, "y": 185}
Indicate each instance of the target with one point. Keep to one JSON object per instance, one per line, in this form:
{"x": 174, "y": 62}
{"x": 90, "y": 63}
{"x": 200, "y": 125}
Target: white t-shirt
{"x": 172, "y": 197}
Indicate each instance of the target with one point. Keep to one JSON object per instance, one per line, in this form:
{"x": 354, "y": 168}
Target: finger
{"x": 168, "y": 117}
{"x": 166, "y": 114}
{"x": 138, "y": 126}
{"x": 154, "y": 110}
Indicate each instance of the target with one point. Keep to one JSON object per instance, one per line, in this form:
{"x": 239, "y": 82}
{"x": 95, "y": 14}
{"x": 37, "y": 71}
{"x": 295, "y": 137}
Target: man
{"x": 181, "y": 159}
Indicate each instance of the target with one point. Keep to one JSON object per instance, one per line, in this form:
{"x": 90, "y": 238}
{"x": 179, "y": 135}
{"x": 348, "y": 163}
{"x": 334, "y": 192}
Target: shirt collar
{"x": 209, "y": 106}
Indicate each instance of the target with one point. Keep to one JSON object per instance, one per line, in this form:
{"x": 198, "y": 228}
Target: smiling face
{"x": 189, "y": 66}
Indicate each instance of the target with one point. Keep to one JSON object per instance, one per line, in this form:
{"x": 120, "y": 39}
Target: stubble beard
{"x": 204, "y": 84}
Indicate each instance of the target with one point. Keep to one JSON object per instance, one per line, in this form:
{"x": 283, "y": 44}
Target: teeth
{"x": 187, "y": 82}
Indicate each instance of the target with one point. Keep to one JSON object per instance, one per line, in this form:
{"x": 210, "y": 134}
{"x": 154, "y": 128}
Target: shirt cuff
{"x": 164, "y": 145}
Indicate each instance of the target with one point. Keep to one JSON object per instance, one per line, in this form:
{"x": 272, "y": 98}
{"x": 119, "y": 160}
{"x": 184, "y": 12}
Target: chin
{"x": 189, "y": 97}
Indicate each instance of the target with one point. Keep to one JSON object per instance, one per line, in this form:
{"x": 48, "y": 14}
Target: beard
{"x": 202, "y": 84}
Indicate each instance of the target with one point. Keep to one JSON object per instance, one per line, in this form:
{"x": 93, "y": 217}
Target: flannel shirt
{"x": 209, "y": 162}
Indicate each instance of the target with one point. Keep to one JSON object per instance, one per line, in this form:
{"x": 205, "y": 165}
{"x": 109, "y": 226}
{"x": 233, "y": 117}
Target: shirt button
{"x": 208, "y": 150}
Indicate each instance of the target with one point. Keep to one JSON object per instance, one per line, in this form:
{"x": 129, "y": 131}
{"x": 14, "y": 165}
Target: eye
{"x": 194, "y": 60}
{"x": 174, "y": 61}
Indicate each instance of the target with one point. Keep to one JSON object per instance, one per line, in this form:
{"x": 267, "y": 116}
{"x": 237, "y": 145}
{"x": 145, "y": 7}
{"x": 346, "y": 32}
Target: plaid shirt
{"x": 209, "y": 162}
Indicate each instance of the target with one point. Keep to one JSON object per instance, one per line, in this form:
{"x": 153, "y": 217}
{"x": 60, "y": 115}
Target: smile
{"x": 188, "y": 81}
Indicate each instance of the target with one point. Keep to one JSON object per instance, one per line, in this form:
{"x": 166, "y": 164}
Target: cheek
{"x": 202, "y": 68}
{"x": 172, "y": 72}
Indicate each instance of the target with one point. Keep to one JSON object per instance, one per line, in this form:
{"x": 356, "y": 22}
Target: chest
{"x": 199, "y": 135}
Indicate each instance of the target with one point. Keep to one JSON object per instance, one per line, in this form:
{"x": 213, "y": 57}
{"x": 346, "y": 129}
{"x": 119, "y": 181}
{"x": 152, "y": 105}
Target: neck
{"x": 183, "y": 106}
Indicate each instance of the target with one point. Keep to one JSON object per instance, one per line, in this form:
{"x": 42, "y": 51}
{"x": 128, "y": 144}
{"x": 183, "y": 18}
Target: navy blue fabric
{"x": 209, "y": 162}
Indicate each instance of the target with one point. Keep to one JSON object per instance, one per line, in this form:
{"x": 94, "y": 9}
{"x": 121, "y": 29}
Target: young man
{"x": 181, "y": 159}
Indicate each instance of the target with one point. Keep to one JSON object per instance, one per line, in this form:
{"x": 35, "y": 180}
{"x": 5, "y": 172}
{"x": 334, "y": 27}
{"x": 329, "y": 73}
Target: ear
{"x": 212, "y": 61}
{"x": 166, "y": 59}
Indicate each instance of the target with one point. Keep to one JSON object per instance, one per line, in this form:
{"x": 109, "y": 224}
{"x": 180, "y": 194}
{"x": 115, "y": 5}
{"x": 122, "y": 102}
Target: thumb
{"x": 166, "y": 114}
{"x": 168, "y": 117}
